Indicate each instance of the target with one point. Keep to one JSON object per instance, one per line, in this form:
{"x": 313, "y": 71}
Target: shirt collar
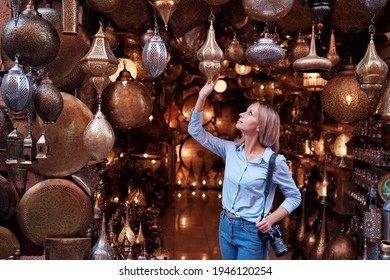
{"x": 266, "y": 155}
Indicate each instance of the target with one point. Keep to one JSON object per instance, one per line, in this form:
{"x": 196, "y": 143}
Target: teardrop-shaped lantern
{"x": 126, "y": 231}
{"x": 99, "y": 63}
{"x": 299, "y": 49}
{"x": 343, "y": 99}
{"x": 235, "y": 52}
{"x": 267, "y": 10}
{"x": 210, "y": 54}
{"x": 331, "y": 52}
{"x": 98, "y": 136}
{"x": 16, "y": 88}
{"x": 312, "y": 62}
{"x": 127, "y": 103}
{"x": 102, "y": 249}
{"x": 165, "y": 8}
{"x": 155, "y": 55}
{"x": 34, "y": 38}
{"x": 265, "y": 52}
{"x": 371, "y": 71}
{"x": 48, "y": 101}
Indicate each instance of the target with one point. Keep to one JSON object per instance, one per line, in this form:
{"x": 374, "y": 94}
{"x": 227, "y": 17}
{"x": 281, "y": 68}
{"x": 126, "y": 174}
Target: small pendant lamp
{"x": 371, "y": 71}
{"x": 210, "y": 54}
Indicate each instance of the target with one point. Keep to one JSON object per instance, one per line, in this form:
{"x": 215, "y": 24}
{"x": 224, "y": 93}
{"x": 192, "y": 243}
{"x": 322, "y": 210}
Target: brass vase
{"x": 302, "y": 226}
{"x": 318, "y": 249}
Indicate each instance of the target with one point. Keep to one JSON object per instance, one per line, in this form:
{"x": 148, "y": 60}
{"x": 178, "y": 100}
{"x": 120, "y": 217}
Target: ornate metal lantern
{"x": 235, "y": 52}
{"x": 16, "y": 88}
{"x": 99, "y": 63}
{"x": 29, "y": 149}
{"x": 48, "y": 101}
{"x": 343, "y": 99}
{"x": 265, "y": 52}
{"x": 14, "y": 147}
{"x": 210, "y": 54}
{"x": 34, "y": 38}
{"x": 371, "y": 71}
{"x": 299, "y": 49}
{"x": 42, "y": 147}
{"x": 165, "y": 8}
{"x": 155, "y": 54}
{"x": 320, "y": 9}
{"x": 267, "y": 10}
{"x": 312, "y": 62}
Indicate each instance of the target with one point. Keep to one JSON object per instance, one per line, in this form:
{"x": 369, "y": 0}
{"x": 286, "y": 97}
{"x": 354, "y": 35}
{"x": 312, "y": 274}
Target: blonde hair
{"x": 269, "y": 127}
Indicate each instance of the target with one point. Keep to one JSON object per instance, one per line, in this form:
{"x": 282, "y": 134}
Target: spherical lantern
{"x": 267, "y": 10}
{"x": 299, "y": 49}
{"x": 235, "y": 52}
{"x": 48, "y": 101}
{"x": 265, "y": 52}
{"x": 127, "y": 103}
{"x": 34, "y": 38}
{"x": 343, "y": 99}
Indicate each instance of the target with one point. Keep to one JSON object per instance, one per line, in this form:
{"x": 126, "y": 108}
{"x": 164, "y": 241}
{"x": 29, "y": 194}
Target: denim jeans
{"x": 240, "y": 240}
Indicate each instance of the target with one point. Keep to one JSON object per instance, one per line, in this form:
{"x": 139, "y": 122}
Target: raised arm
{"x": 204, "y": 93}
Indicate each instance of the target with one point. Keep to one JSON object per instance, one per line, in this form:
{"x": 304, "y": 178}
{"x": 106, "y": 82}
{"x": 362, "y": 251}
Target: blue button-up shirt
{"x": 244, "y": 182}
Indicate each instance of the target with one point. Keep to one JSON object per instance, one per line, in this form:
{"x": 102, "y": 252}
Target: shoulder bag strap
{"x": 270, "y": 171}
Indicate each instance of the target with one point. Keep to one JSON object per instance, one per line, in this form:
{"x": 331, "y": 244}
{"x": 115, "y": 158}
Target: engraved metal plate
{"x": 54, "y": 208}
{"x": 8, "y": 199}
{"x": 9, "y": 244}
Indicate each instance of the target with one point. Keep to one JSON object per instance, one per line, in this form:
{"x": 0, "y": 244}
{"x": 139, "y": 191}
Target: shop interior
{"x": 95, "y": 158}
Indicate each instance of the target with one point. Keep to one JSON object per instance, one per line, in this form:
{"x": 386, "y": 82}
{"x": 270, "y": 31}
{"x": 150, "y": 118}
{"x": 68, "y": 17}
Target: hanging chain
{"x": 371, "y": 28}
{"x": 156, "y": 31}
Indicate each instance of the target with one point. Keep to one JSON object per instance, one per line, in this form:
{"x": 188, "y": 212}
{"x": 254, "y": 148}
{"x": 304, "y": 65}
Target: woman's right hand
{"x": 208, "y": 87}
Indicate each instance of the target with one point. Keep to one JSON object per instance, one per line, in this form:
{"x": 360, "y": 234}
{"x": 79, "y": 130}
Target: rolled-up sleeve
{"x": 285, "y": 182}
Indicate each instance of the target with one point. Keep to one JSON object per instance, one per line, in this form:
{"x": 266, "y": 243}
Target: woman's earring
{"x": 257, "y": 129}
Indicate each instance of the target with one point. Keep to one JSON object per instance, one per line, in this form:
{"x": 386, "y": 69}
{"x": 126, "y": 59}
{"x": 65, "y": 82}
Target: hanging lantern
{"x": 210, "y": 54}
{"x": 299, "y": 49}
{"x": 42, "y": 147}
{"x": 313, "y": 82}
{"x": 16, "y": 88}
{"x": 127, "y": 93}
{"x": 99, "y": 137}
{"x": 235, "y": 52}
{"x": 265, "y": 52}
{"x": 371, "y": 71}
{"x": 267, "y": 10}
{"x": 112, "y": 37}
{"x": 14, "y": 147}
{"x": 33, "y": 38}
{"x": 29, "y": 149}
{"x": 320, "y": 9}
{"x": 126, "y": 231}
{"x": 165, "y": 8}
{"x": 145, "y": 37}
{"x": 99, "y": 63}
{"x": 70, "y": 17}
{"x": 331, "y": 52}
{"x": 312, "y": 62}
{"x": 155, "y": 55}
{"x": 48, "y": 101}
{"x": 343, "y": 99}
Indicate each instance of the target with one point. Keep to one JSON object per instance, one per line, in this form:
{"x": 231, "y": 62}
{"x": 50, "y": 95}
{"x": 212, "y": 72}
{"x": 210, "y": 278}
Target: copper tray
{"x": 9, "y": 244}
{"x": 8, "y": 199}
{"x": 65, "y": 139}
{"x": 54, "y": 208}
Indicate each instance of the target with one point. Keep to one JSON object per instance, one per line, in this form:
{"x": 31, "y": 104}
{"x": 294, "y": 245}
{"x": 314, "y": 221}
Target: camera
{"x": 276, "y": 239}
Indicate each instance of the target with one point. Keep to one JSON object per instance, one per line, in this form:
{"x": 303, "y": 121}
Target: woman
{"x": 246, "y": 161}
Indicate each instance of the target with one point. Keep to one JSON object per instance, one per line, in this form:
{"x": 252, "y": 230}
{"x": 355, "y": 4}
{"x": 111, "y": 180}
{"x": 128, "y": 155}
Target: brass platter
{"x": 65, "y": 140}
{"x": 9, "y": 244}
{"x": 54, "y": 208}
{"x": 8, "y": 199}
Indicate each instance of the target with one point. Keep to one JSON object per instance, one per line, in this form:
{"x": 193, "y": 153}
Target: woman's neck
{"x": 253, "y": 149}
